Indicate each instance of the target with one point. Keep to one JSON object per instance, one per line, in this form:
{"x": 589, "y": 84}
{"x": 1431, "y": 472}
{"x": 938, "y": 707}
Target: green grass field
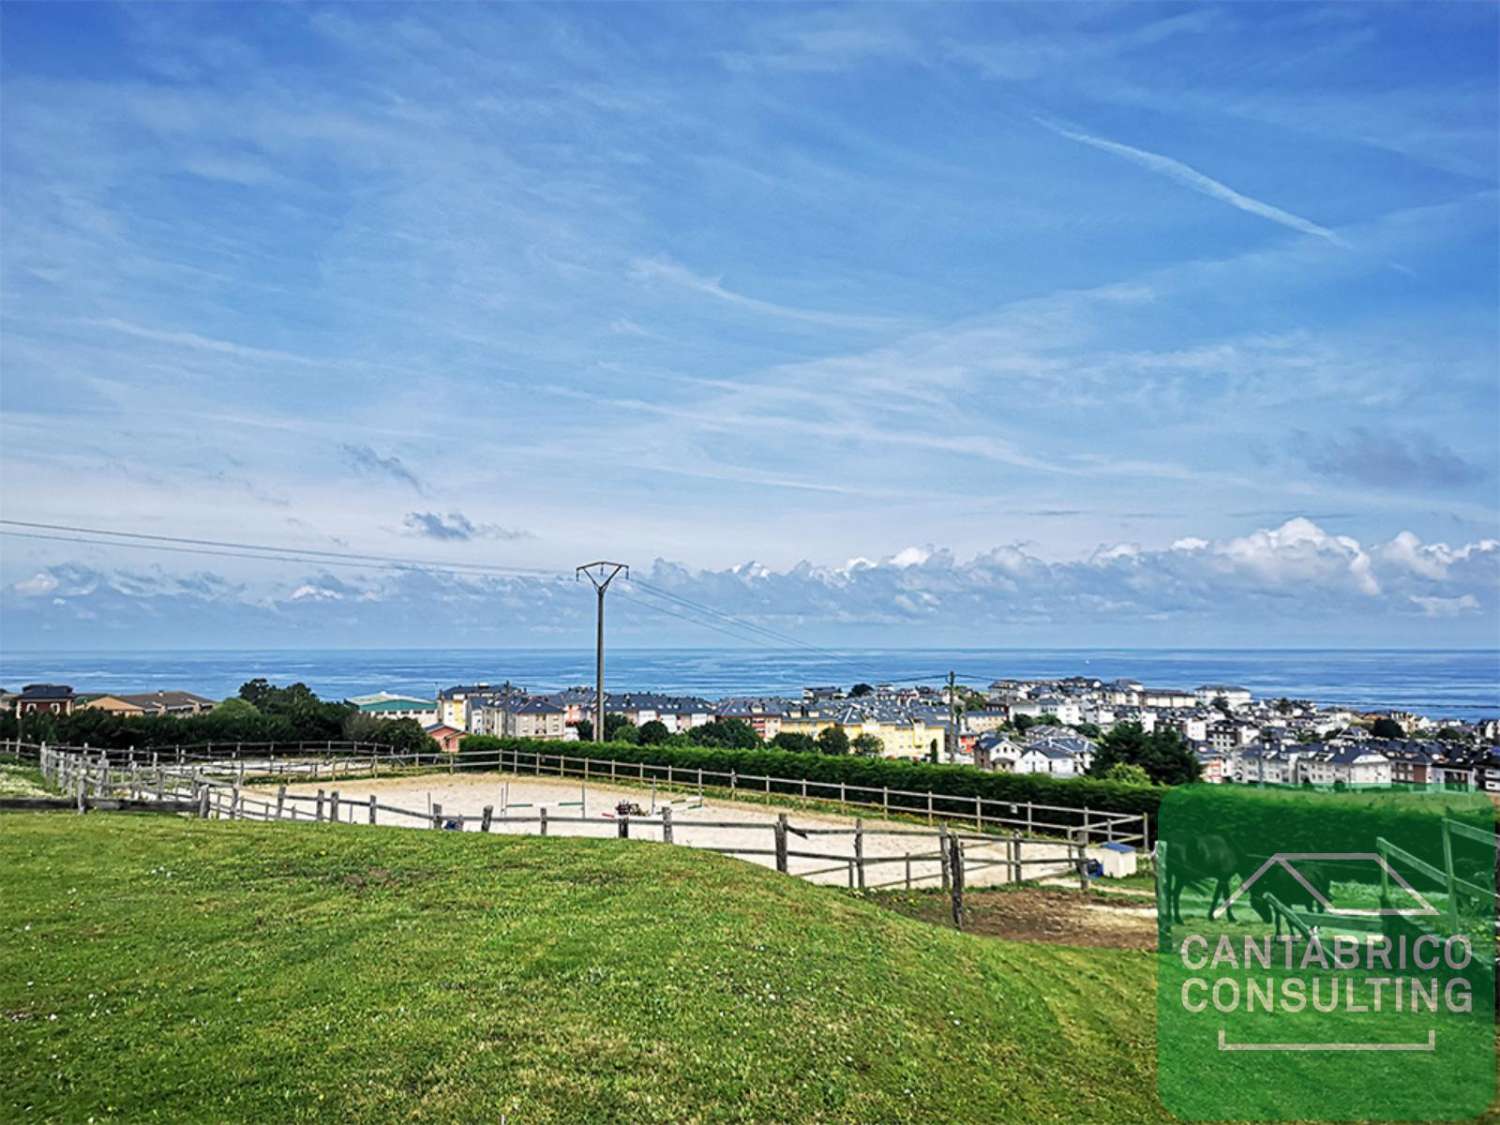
{"x": 211, "y": 970}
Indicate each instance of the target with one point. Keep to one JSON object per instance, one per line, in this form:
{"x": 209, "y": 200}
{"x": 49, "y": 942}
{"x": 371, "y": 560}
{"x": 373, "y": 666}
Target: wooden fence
{"x": 100, "y": 780}
{"x": 334, "y": 761}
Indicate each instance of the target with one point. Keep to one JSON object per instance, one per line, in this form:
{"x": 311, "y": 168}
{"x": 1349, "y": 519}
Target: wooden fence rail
{"x": 350, "y": 760}
{"x": 98, "y": 780}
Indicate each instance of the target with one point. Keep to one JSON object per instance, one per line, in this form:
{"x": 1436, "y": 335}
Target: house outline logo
{"x": 1283, "y": 860}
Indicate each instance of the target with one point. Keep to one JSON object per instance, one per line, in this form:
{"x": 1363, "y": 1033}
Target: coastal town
{"x": 1020, "y": 726}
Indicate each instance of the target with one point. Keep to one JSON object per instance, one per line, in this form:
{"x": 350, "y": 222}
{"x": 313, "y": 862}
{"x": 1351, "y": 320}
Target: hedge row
{"x": 1261, "y": 822}
{"x": 480, "y": 751}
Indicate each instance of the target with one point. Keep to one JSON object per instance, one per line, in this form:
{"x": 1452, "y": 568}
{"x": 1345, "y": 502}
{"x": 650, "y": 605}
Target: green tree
{"x": 1163, "y": 754}
{"x": 859, "y": 690}
{"x": 235, "y": 707}
{"x": 617, "y": 728}
{"x": 833, "y": 740}
{"x": 585, "y": 729}
{"x": 728, "y": 734}
{"x": 654, "y": 733}
{"x": 797, "y": 743}
{"x": 1129, "y": 773}
{"x": 1453, "y": 734}
{"x": 1386, "y": 727}
{"x": 868, "y": 746}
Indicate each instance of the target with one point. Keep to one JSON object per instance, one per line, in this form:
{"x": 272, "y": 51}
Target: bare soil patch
{"x": 1058, "y": 916}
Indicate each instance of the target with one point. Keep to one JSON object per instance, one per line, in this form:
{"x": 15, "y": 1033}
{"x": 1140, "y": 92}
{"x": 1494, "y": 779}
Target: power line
{"x": 271, "y": 549}
{"x": 773, "y": 634}
{"x": 701, "y": 622}
{"x": 688, "y": 609}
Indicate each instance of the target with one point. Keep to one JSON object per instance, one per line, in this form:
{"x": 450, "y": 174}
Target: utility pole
{"x": 595, "y": 572}
{"x": 952, "y": 718}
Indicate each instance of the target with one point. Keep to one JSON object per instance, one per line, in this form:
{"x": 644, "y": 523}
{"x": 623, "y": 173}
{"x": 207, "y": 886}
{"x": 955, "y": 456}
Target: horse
{"x": 1197, "y": 859}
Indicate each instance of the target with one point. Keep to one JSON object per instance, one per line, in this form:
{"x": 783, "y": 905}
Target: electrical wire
{"x": 645, "y": 594}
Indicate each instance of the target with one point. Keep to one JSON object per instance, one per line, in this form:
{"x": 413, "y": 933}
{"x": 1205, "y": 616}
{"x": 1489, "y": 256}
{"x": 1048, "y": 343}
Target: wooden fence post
{"x": 234, "y": 804}
{"x": 666, "y": 825}
{"x": 280, "y": 801}
{"x": 82, "y": 782}
{"x": 484, "y": 819}
{"x": 333, "y": 807}
{"x": 624, "y": 824}
{"x": 1083, "y": 865}
{"x": 203, "y": 803}
{"x": 437, "y": 815}
{"x": 943, "y": 858}
{"x": 859, "y": 849}
{"x": 908, "y": 870}
{"x": 956, "y": 862}
{"x": 1015, "y": 857}
{"x": 544, "y": 819}
{"x": 319, "y": 815}
{"x": 372, "y": 808}
{"x": 781, "y": 864}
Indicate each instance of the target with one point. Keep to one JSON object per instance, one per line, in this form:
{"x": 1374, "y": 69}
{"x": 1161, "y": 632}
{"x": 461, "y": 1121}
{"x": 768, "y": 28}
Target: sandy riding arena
{"x": 821, "y": 846}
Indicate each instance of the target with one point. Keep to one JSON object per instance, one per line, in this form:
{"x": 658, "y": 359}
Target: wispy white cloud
{"x": 665, "y": 270}
{"x": 1192, "y": 178}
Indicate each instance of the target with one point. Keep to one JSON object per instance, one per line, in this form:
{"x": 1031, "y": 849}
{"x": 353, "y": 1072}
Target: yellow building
{"x": 899, "y": 738}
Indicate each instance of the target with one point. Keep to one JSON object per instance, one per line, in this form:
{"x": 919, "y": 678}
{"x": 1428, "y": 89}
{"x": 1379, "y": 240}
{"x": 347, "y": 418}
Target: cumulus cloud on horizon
{"x": 1297, "y": 576}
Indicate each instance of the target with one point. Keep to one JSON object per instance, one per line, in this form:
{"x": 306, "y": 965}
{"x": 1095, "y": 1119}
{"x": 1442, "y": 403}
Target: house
{"x": 1042, "y": 758}
{"x": 1266, "y": 763}
{"x": 536, "y": 718}
{"x": 1411, "y": 763}
{"x": 1230, "y": 734}
{"x": 983, "y": 721}
{"x": 995, "y": 751}
{"x": 821, "y": 694}
{"x": 1076, "y": 747}
{"x": 1192, "y": 725}
{"x": 45, "y": 699}
{"x": 456, "y": 706}
{"x": 147, "y": 703}
{"x": 1344, "y": 766}
{"x": 577, "y": 704}
{"x": 1144, "y": 719}
{"x": 1067, "y": 710}
{"x": 1167, "y": 698}
{"x": 519, "y": 716}
{"x": 764, "y": 715}
{"x": 1236, "y": 698}
{"x": 425, "y": 711}
{"x": 446, "y": 737}
{"x": 1215, "y": 765}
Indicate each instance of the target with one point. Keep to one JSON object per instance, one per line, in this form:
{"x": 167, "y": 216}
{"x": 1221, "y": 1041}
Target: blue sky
{"x": 1070, "y": 324}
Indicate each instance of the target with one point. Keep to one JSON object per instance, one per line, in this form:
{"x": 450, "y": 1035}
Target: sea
{"x": 1462, "y": 684}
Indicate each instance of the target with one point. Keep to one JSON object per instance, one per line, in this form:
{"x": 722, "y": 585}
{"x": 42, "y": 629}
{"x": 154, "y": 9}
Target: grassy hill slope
{"x": 273, "y": 971}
